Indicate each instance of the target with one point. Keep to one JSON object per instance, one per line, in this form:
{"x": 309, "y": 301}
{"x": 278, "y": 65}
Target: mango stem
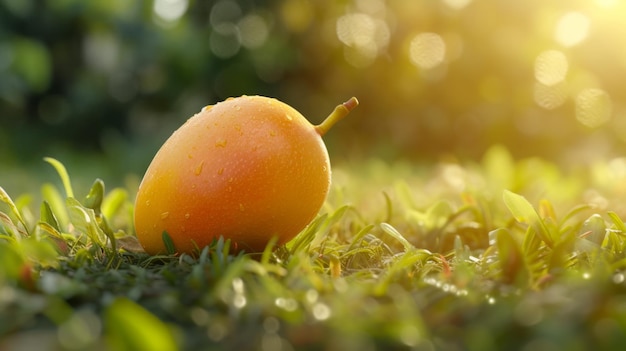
{"x": 338, "y": 114}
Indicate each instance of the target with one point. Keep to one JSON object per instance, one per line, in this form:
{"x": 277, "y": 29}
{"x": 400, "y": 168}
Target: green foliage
{"x": 108, "y": 74}
{"x": 401, "y": 257}
{"x": 130, "y": 327}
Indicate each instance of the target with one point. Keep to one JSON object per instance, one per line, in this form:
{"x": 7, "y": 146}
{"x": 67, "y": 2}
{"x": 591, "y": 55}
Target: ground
{"x": 490, "y": 255}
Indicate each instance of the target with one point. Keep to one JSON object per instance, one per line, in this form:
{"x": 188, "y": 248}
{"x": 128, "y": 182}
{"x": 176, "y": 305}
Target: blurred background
{"x": 101, "y": 84}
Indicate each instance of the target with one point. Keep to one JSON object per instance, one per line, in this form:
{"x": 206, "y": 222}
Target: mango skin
{"x": 247, "y": 168}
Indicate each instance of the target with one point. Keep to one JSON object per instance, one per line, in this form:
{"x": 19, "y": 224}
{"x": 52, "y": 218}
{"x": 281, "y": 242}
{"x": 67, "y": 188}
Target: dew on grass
{"x": 446, "y": 287}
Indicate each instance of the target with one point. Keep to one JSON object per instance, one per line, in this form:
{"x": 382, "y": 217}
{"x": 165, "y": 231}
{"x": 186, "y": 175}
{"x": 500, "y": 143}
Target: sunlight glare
{"x": 457, "y": 4}
{"x": 607, "y": 3}
{"x": 572, "y": 29}
{"x": 427, "y": 50}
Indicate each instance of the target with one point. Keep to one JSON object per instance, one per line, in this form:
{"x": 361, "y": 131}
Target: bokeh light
{"x": 593, "y": 107}
{"x": 225, "y": 40}
{"x": 550, "y": 96}
{"x": 427, "y": 50}
{"x": 364, "y": 36}
{"x": 434, "y": 77}
{"x": 551, "y": 67}
{"x": 168, "y": 11}
{"x": 254, "y": 31}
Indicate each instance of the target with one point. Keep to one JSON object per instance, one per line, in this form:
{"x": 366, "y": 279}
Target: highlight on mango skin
{"x": 247, "y": 169}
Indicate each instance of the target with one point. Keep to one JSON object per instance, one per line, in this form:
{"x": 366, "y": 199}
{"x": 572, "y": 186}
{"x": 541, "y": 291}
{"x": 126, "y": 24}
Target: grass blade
{"x": 394, "y": 233}
{"x": 65, "y": 177}
{"x": 4, "y": 197}
{"x": 524, "y": 212}
{"x": 170, "y": 248}
{"x": 131, "y": 327}
{"x": 48, "y": 217}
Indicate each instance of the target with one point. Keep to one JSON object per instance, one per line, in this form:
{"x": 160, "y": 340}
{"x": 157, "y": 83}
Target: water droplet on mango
{"x": 199, "y": 168}
{"x": 164, "y": 215}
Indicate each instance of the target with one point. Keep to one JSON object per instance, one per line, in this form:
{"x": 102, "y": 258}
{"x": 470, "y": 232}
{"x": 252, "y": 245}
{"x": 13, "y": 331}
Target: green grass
{"x": 490, "y": 255}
